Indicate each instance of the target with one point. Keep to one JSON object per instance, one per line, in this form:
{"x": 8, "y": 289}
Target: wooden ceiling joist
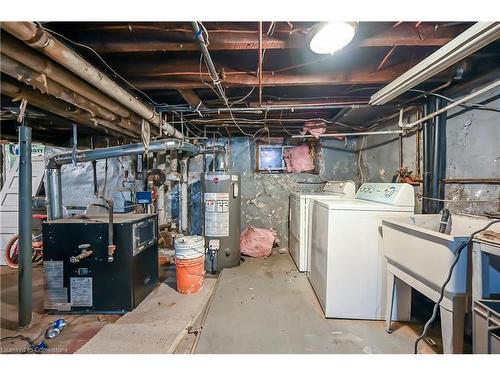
{"x": 363, "y": 76}
{"x": 404, "y": 35}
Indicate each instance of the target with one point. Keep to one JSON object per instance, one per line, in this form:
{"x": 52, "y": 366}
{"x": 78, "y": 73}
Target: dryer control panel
{"x": 387, "y": 193}
{"x": 347, "y": 188}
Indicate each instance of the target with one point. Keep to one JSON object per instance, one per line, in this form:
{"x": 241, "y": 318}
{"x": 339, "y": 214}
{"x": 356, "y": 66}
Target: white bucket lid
{"x": 189, "y": 247}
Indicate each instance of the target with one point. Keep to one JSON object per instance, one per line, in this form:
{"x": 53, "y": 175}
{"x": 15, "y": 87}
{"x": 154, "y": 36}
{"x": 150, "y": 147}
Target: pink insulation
{"x": 315, "y": 128}
{"x": 298, "y": 159}
{"x": 257, "y": 242}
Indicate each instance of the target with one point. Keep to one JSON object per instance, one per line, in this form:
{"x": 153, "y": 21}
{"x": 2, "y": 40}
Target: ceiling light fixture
{"x": 332, "y": 36}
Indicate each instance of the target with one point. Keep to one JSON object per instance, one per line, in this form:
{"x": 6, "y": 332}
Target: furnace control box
{"x": 79, "y": 277}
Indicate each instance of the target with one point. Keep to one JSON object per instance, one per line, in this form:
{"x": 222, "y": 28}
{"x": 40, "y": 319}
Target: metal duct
{"x": 53, "y": 168}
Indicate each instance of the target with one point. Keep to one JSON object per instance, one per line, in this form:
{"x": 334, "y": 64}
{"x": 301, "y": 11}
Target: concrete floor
{"x": 263, "y": 306}
{"x": 267, "y": 306}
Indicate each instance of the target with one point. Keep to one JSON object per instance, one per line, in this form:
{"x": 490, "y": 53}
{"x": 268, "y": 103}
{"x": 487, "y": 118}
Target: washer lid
{"x": 318, "y": 194}
{"x": 360, "y": 205}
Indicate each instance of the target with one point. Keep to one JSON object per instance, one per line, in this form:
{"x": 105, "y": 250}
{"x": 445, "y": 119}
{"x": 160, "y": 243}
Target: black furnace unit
{"x": 80, "y": 276}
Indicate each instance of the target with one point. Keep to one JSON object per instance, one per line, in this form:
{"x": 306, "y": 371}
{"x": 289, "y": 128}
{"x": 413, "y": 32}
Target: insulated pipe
{"x": 40, "y": 39}
{"x": 198, "y": 34}
{"x": 20, "y": 52}
{"x": 53, "y": 168}
{"x": 47, "y": 86}
{"x": 61, "y": 108}
{"x": 25, "y": 227}
{"x": 113, "y": 152}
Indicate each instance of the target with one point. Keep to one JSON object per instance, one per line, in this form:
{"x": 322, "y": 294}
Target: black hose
{"x": 450, "y": 272}
{"x": 31, "y": 343}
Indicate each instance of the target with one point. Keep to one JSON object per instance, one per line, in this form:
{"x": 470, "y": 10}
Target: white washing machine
{"x": 299, "y": 228}
{"x": 347, "y": 266}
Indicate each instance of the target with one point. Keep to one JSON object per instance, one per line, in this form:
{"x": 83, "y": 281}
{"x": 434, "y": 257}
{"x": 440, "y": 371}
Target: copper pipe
{"x": 493, "y": 181}
{"x": 386, "y": 57}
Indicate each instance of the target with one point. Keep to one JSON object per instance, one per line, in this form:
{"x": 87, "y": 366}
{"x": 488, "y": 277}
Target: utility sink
{"x": 414, "y": 245}
{"x": 419, "y": 256}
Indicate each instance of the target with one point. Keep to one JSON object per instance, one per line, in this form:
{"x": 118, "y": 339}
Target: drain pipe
{"x": 53, "y": 168}
{"x": 439, "y": 158}
{"x": 427, "y": 135}
{"x": 198, "y": 34}
{"x": 38, "y": 38}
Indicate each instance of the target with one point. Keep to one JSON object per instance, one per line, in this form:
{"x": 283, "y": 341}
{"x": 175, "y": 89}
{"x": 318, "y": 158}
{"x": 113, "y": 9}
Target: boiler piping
{"x": 53, "y": 168}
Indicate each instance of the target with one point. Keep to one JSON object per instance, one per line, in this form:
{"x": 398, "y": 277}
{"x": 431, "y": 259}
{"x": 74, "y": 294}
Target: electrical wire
{"x": 458, "y": 251}
{"x": 244, "y": 97}
{"x": 224, "y": 99}
{"x": 465, "y": 104}
{"x": 31, "y": 344}
{"x": 184, "y": 123}
{"x": 31, "y": 347}
{"x": 281, "y": 114}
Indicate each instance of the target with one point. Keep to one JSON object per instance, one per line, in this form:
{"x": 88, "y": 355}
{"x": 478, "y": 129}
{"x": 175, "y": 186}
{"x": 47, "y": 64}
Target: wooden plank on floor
{"x": 157, "y": 325}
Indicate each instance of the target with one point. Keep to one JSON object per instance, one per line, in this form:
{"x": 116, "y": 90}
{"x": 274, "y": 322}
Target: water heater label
{"x": 81, "y": 291}
{"x": 217, "y": 214}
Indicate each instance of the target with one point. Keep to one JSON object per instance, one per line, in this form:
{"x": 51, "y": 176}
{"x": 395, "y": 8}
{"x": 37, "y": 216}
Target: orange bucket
{"x": 190, "y": 274}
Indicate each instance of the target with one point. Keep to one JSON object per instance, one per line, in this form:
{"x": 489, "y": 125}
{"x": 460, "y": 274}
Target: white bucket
{"x": 189, "y": 247}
